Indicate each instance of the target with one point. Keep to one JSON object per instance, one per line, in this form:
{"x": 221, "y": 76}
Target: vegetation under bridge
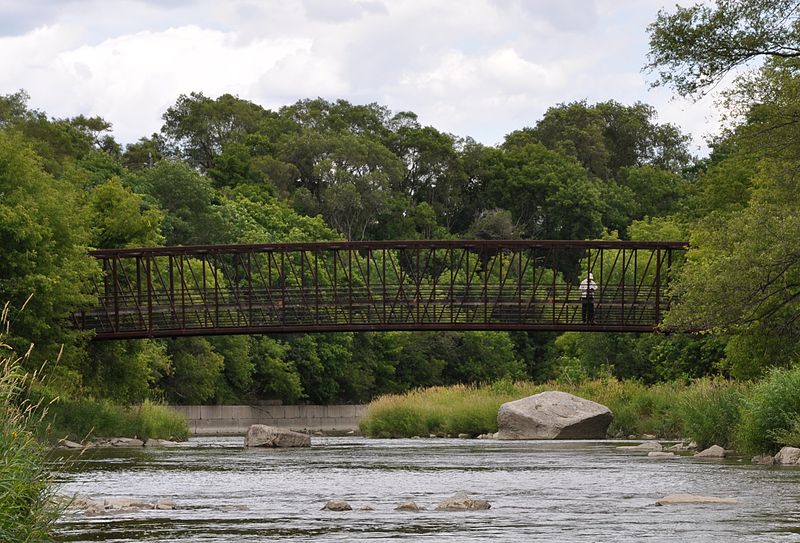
{"x": 378, "y": 286}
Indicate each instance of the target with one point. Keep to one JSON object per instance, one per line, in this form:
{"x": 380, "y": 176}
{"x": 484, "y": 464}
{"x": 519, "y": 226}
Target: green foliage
{"x": 125, "y": 371}
{"x": 44, "y": 262}
{"x": 693, "y": 48}
{"x": 275, "y": 376}
{"x": 771, "y": 412}
{"x": 197, "y": 369}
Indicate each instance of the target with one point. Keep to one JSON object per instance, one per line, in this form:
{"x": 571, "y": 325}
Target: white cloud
{"x": 478, "y": 68}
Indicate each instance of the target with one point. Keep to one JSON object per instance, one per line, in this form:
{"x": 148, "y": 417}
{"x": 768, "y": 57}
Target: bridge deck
{"x": 372, "y": 286}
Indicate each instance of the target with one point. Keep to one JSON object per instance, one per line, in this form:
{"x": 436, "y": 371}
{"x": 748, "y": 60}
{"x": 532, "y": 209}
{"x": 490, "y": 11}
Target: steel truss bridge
{"x": 378, "y": 286}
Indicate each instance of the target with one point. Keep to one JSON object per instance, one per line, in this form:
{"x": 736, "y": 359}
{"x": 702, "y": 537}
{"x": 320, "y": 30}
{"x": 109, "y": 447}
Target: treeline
{"x": 226, "y": 170}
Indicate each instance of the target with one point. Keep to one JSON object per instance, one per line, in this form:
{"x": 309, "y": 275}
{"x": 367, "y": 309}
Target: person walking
{"x": 587, "y": 288}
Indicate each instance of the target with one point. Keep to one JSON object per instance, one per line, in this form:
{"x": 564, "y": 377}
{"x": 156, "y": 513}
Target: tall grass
{"x": 473, "y": 410}
{"x": 28, "y": 509}
{"x": 771, "y": 413}
{"x": 705, "y": 410}
{"x": 78, "y": 419}
{"x": 711, "y": 411}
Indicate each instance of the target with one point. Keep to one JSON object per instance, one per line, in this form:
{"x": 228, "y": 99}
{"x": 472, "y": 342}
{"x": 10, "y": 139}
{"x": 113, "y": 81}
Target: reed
{"x": 28, "y": 509}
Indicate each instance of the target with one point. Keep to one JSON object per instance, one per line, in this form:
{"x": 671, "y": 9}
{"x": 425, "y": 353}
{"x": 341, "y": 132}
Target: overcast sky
{"x": 478, "y": 68}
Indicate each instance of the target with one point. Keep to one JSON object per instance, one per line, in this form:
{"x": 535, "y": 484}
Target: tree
{"x": 187, "y": 198}
{"x": 693, "y": 48}
{"x": 198, "y": 128}
{"x": 549, "y": 194}
{"x": 120, "y": 219}
{"x": 43, "y": 262}
{"x": 742, "y": 275}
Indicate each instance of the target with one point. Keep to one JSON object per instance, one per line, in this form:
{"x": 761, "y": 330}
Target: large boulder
{"x": 553, "y": 415}
{"x": 261, "y": 435}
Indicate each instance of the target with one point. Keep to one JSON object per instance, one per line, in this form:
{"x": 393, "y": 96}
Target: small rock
{"x": 165, "y": 505}
{"x": 464, "y": 436}
{"x": 644, "y": 446}
{"x": 351, "y": 433}
{"x": 432, "y": 436}
{"x": 337, "y": 505}
{"x": 677, "y": 499}
{"x": 462, "y": 502}
{"x": 67, "y": 444}
{"x": 128, "y": 442}
{"x": 409, "y": 505}
{"x": 680, "y": 447}
{"x": 660, "y": 454}
{"x": 648, "y": 437}
{"x": 125, "y": 504}
{"x": 763, "y": 459}
{"x": 714, "y": 451}
{"x": 367, "y": 508}
{"x": 788, "y": 455}
{"x": 159, "y": 443}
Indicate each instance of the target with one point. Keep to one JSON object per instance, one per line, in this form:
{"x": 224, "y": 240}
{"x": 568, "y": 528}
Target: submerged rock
{"x": 660, "y": 454}
{"x": 462, "y": 502}
{"x": 653, "y": 446}
{"x": 553, "y": 415}
{"x": 261, "y": 435}
{"x": 111, "y": 505}
{"x": 764, "y": 460}
{"x": 678, "y": 499}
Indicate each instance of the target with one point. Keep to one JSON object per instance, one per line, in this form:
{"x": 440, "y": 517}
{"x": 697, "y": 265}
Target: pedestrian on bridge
{"x": 587, "y": 288}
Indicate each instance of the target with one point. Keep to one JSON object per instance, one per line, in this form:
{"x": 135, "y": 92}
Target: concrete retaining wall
{"x": 236, "y": 419}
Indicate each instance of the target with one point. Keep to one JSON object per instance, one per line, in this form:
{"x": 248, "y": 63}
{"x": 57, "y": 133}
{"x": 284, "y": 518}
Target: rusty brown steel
{"x": 377, "y": 286}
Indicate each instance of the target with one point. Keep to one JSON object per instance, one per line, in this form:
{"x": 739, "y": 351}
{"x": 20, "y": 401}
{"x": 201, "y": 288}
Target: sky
{"x": 477, "y": 68}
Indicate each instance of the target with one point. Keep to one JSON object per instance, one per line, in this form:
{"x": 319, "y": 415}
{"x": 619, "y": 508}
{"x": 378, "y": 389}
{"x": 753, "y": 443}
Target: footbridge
{"x": 379, "y": 286}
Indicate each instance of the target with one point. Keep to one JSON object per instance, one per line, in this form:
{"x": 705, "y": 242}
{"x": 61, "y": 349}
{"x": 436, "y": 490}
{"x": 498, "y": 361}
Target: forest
{"x": 224, "y": 170}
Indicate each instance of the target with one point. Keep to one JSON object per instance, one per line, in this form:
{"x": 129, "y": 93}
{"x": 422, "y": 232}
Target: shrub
{"x": 771, "y": 412}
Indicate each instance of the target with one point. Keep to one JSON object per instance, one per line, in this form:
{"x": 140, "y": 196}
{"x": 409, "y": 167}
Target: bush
{"x": 771, "y": 414}
{"x": 711, "y": 411}
{"x": 79, "y": 419}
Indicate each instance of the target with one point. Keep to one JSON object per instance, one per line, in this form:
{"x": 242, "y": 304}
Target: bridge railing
{"x": 453, "y": 285}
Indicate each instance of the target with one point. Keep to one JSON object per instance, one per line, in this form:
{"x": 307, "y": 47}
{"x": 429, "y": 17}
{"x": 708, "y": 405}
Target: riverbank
{"x": 750, "y": 417}
{"x": 220, "y": 420}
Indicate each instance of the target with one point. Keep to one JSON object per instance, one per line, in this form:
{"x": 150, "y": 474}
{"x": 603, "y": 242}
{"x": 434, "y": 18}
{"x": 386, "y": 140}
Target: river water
{"x": 539, "y": 491}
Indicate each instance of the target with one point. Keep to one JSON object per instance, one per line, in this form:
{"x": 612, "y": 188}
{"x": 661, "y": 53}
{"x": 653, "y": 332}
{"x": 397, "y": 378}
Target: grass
{"x": 79, "y": 419}
{"x": 705, "y": 410}
{"x": 28, "y": 509}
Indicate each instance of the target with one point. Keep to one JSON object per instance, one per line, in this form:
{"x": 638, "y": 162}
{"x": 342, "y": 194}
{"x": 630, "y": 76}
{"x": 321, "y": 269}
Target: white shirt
{"x": 587, "y": 288}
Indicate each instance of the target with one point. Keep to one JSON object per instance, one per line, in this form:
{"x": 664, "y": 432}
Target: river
{"x": 539, "y": 491}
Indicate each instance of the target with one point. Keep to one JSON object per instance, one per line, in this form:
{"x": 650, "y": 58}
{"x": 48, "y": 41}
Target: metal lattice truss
{"x": 377, "y": 286}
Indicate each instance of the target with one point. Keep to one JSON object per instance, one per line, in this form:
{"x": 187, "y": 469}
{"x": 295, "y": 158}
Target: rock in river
{"x": 681, "y": 499}
{"x": 337, "y": 505}
{"x": 462, "y": 502}
{"x": 553, "y": 415}
{"x": 261, "y": 435}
